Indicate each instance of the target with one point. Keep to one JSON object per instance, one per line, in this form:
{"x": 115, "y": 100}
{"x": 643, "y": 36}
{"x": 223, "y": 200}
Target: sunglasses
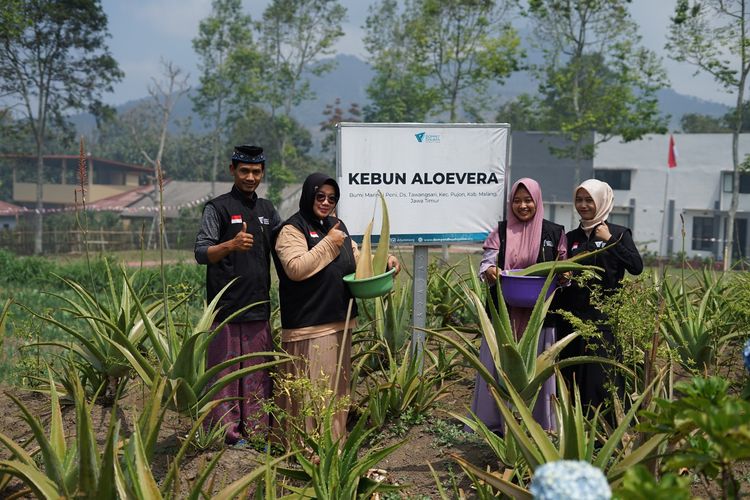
{"x": 321, "y": 197}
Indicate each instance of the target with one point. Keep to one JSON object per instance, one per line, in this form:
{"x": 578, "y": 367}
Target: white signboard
{"x": 443, "y": 183}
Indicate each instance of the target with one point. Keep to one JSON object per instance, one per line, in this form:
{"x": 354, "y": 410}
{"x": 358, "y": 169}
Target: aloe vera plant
{"x": 387, "y": 331}
{"x": 404, "y": 385}
{"x": 104, "y": 322}
{"x": 576, "y": 439}
{"x": 181, "y": 356}
{"x": 367, "y": 265}
{"x": 340, "y": 473}
{"x": 3, "y": 317}
{"x": 447, "y": 303}
{"x": 66, "y": 469}
{"x": 695, "y": 322}
{"x": 525, "y": 370}
{"x": 134, "y": 478}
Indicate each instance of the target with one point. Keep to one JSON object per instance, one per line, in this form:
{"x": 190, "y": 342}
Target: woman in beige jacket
{"x": 312, "y": 253}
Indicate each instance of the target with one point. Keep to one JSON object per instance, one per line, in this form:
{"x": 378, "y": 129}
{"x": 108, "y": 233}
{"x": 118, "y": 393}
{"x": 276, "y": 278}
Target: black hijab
{"x": 311, "y": 186}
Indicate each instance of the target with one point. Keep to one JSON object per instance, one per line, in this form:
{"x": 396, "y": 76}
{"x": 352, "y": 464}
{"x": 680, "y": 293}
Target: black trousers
{"x": 594, "y": 380}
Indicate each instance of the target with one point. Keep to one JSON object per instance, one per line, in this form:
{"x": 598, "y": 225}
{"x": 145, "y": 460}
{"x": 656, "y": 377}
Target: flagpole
{"x": 671, "y": 163}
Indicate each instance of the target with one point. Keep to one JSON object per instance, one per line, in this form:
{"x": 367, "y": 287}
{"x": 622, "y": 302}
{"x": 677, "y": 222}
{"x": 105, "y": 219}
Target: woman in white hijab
{"x": 593, "y": 201}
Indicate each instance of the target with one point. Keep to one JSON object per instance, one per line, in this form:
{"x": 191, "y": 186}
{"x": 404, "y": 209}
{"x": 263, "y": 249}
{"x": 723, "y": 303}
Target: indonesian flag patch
{"x": 236, "y": 219}
{"x": 314, "y": 234}
{"x": 575, "y": 246}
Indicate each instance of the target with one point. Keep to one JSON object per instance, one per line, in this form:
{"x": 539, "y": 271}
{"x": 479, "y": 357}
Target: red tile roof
{"x": 10, "y": 209}
{"x": 122, "y": 200}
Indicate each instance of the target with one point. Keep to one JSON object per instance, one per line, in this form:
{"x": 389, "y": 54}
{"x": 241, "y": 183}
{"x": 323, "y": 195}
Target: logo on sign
{"x": 425, "y": 137}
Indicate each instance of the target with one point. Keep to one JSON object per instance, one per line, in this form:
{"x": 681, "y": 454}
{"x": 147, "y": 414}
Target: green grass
{"x": 28, "y": 280}
{"x": 32, "y": 281}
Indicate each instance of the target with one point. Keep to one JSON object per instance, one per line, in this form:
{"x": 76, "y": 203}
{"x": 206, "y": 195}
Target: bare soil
{"x": 407, "y": 466}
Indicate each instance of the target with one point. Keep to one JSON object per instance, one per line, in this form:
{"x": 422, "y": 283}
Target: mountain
{"x": 349, "y": 80}
{"x": 675, "y": 105}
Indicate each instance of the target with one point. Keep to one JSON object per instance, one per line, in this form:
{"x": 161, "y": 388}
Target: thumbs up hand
{"x": 243, "y": 241}
{"x": 337, "y": 235}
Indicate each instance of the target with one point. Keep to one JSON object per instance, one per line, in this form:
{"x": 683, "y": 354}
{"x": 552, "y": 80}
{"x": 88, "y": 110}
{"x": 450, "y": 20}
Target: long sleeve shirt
{"x": 300, "y": 263}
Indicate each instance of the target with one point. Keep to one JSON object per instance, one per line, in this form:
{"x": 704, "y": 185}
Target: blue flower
{"x": 569, "y": 480}
{"x": 746, "y": 354}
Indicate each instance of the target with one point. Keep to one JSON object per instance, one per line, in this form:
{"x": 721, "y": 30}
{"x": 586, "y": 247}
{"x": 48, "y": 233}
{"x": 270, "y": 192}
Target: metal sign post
{"x": 419, "y": 308}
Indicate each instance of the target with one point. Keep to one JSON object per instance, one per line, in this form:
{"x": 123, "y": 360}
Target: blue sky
{"x": 143, "y": 31}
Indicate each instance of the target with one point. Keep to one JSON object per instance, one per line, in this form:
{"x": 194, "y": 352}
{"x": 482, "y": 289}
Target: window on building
{"x": 620, "y": 219}
{"x": 703, "y": 233}
{"x": 617, "y": 178}
{"x": 108, "y": 176}
{"x": 728, "y": 182}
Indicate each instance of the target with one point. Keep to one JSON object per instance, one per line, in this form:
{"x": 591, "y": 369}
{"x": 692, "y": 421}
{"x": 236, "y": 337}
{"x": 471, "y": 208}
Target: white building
{"x": 654, "y": 199}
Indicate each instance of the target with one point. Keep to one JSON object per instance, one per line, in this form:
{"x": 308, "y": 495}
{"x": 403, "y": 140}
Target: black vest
{"x": 251, "y": 268}
{"x": 324, "y": 297}
{"x": 550, "y": 240}
{"x": 620, "y": 257}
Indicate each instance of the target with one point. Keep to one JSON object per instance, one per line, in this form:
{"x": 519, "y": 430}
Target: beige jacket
{"x": 299, "y": 263}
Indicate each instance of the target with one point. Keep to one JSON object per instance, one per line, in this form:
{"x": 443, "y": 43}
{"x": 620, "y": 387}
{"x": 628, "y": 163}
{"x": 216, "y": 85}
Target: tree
{"x": 399, "y": 91}
{"x": 729, "y": 120}
{"x": 187, "y": 154}
{"x": 12, "y": 20}
{"x": 274, "y": 71}
{"x": 696, "y": 123}
{"x": 259, "y": 124}
{"x": 522, "y": 113}
{"x": 226, "y": 29}
{"x": 164, "y": 93}
{"x": 595, "y": 77}
{"x": 453, "y": 48}
{"x": 468, "y": 43}
{"x": 58, "y": 62}
{"x": 12, "y": 24}
{"x": 705, "y": 34}
{"x": 334, "y": 115}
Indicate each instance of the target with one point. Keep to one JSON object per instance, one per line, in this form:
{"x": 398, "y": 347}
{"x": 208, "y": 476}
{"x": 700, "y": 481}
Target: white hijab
{"x": 603, "y": 197}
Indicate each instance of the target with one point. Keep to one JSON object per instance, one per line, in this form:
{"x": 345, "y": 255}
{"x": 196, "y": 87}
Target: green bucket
{"x": 368, "y": 288}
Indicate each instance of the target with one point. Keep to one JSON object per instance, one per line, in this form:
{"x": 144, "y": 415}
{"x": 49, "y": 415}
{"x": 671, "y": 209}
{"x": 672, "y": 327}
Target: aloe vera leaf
{"x": 544, "y": 268}
{"x": 380, "y": 262}
{"x": 364, "y": 264}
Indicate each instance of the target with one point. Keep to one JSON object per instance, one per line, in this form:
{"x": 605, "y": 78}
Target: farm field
{"x": 416, "y": 413}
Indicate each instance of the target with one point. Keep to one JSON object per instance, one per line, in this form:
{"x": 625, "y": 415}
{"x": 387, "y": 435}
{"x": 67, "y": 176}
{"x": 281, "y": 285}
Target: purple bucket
{"x": 522, "y": 291}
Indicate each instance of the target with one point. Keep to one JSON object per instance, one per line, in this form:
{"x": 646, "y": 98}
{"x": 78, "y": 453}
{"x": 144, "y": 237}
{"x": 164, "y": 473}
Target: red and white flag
{"x": 672, "y": 158}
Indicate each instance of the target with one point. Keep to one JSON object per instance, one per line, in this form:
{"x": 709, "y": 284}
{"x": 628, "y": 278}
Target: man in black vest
{"x": 234, "y": 243}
